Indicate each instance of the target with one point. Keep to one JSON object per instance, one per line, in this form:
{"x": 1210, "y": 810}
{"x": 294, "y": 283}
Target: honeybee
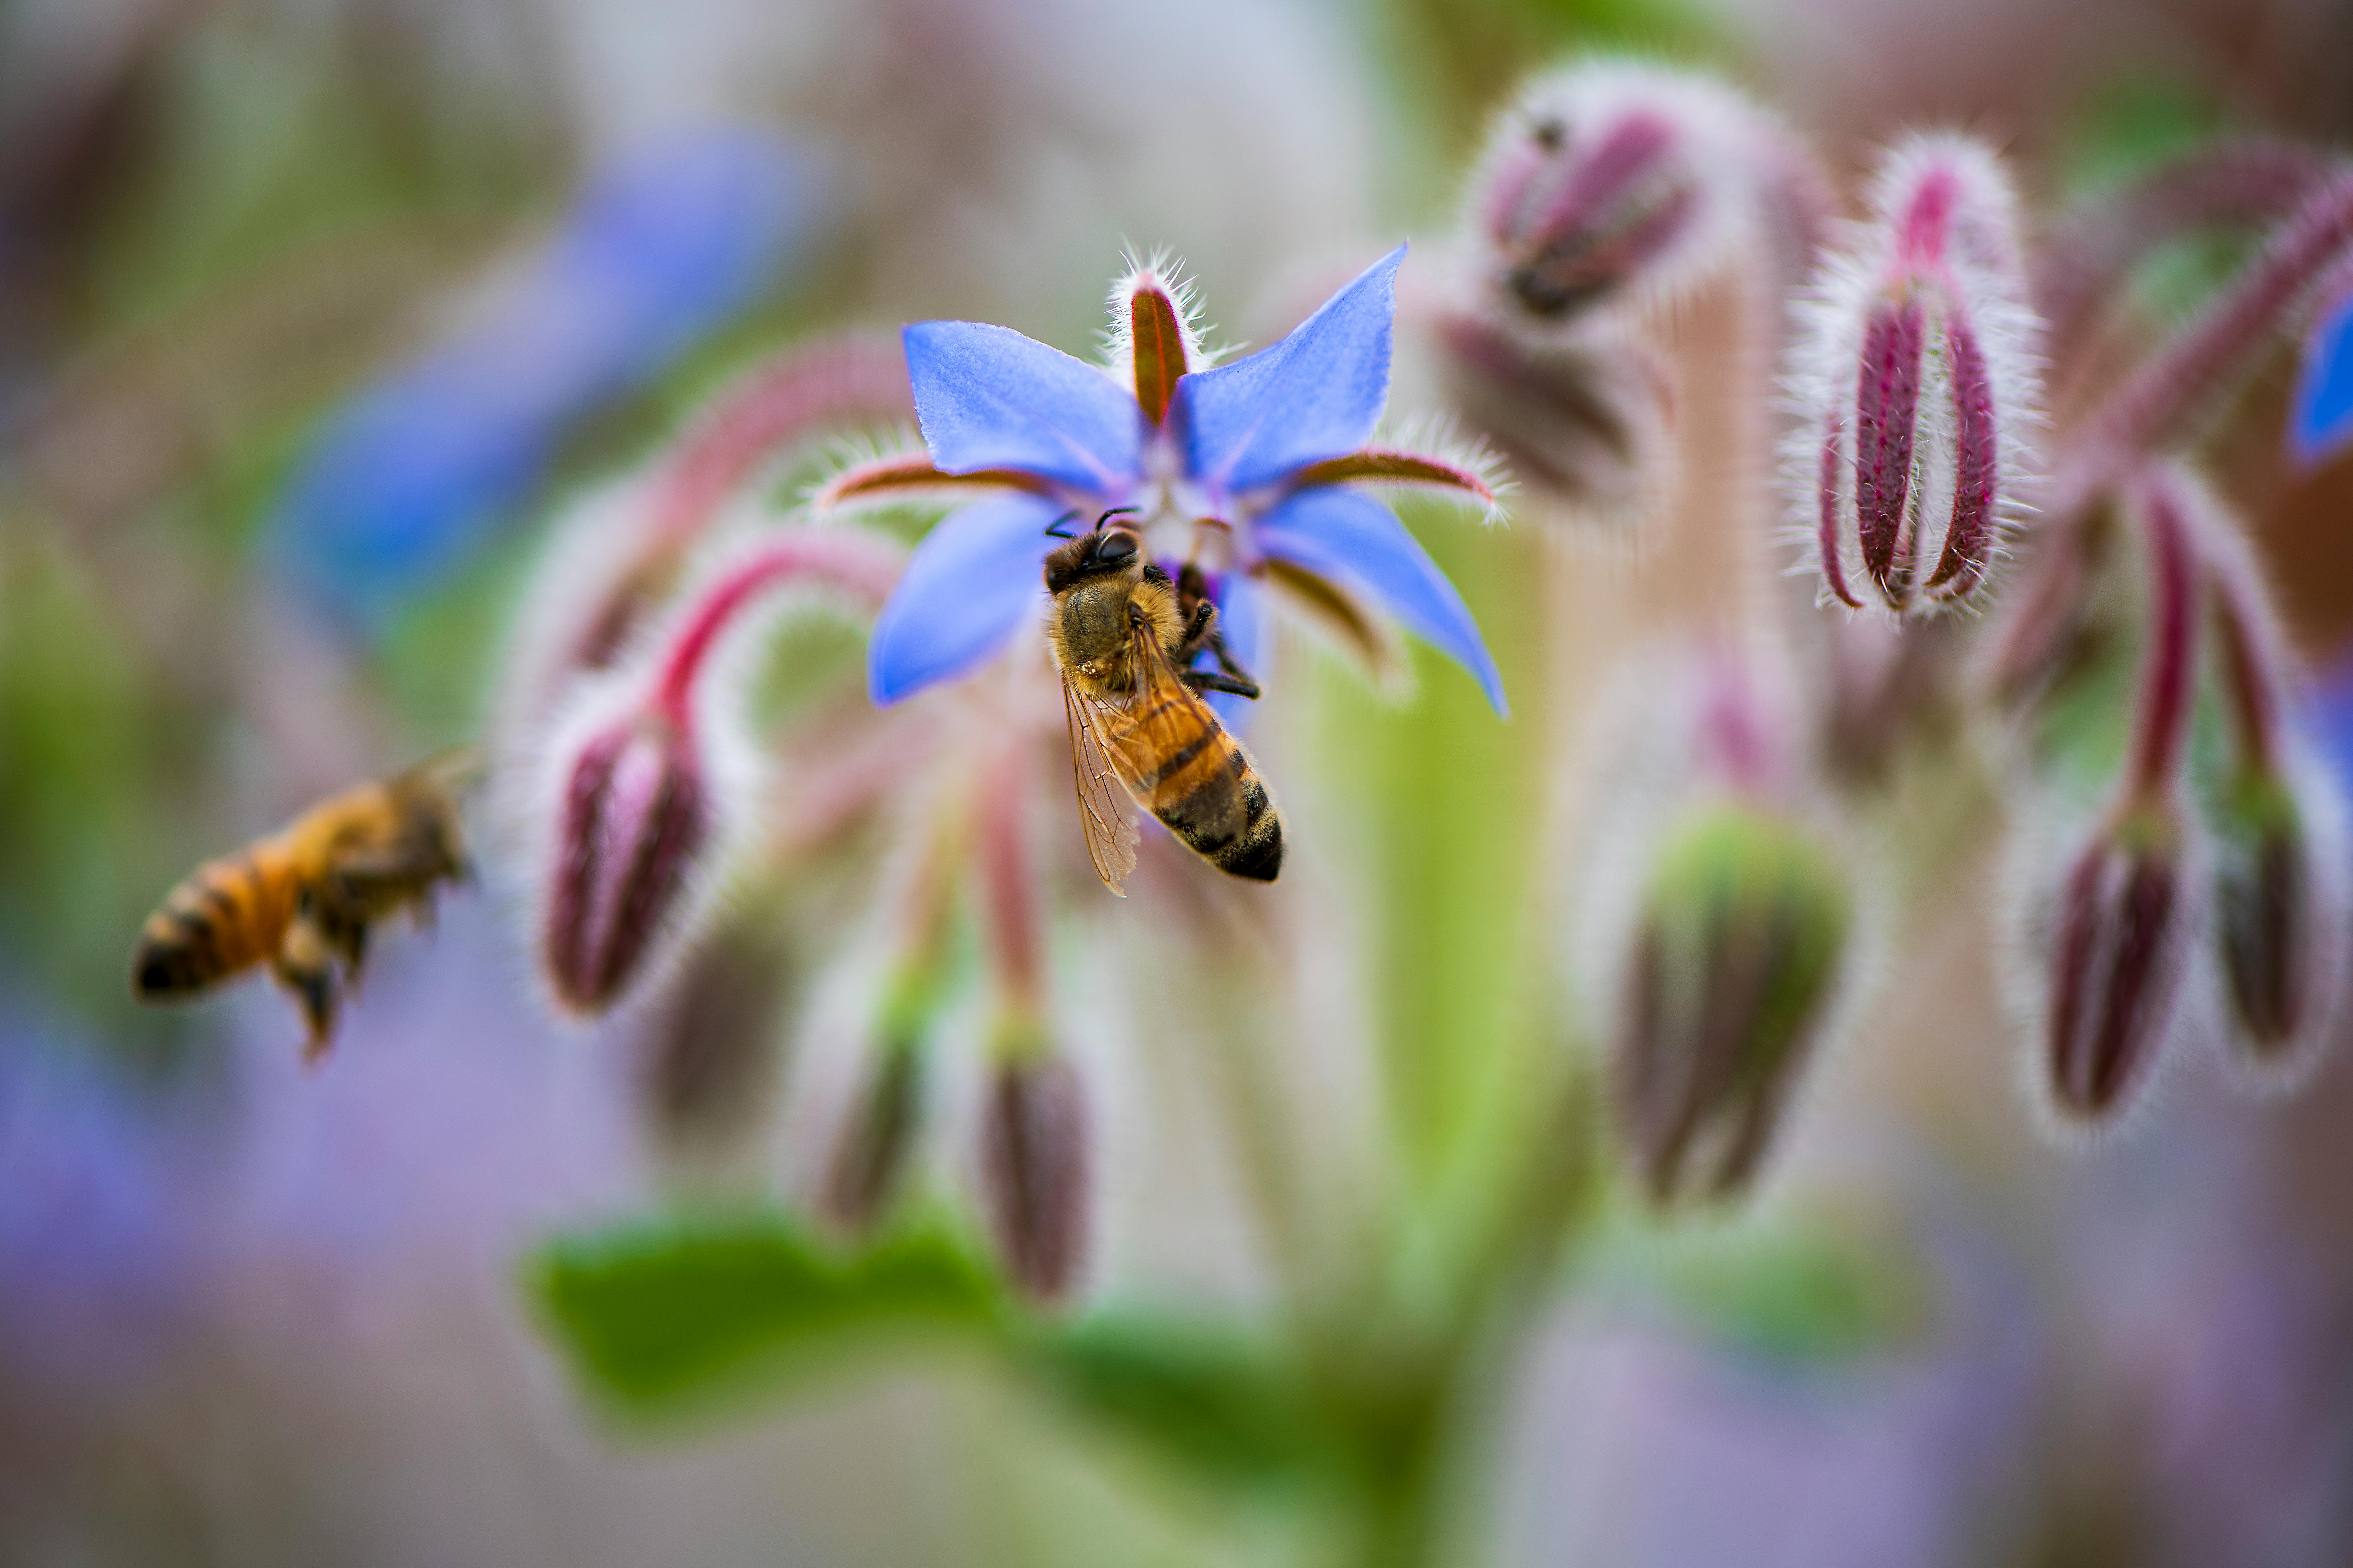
{"x": 1124, "y": 638}
{"x": 302, "y": 899}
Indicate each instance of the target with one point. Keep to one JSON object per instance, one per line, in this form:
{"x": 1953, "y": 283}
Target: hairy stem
{"x": 858, "y": 565}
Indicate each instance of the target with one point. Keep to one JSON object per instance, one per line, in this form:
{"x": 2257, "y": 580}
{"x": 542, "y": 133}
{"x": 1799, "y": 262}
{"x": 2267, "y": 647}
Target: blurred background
{"x": 312, "y": 315}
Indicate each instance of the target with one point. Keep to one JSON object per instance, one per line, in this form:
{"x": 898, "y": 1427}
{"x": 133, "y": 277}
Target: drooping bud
{"x": 1915, "y": 374}
{"x": 2280, "y": 924}
{"x": 2111, "y": 946}
{"x": 1614, "y": 184}
{"x": 648, "y": 782}
{"x": 871, "y": 1156}
{"x": 2280, "y": 900}
{"x": 1740, "y": 944}
{"x": 636, "y": 813}
{"x": 2116, "y": 950}
{"x": 1584, "y": 422}
{"x": 1034, "y": 1170}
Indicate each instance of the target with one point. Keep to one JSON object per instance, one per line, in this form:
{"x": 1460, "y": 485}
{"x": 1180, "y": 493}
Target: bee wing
{"x": 1171, "y": 724}
{"x": 1105, "y": 815}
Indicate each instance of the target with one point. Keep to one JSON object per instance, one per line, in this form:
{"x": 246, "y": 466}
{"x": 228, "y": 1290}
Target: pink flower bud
{"x": 1034, "y": 1172}
{"x": 1614, "y": 184}
{"x": 2116, "y": 947}
{"x": 648, "y": 780}
{"x": 635, "y": 813}
{"x": 2110, "y": 946}
{"x": 1914, "y": 370}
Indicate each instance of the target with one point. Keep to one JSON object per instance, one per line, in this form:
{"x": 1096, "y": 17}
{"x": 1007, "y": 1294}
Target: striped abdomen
{"x": 229, "y": 916}
{"x": 1197, "y": 779}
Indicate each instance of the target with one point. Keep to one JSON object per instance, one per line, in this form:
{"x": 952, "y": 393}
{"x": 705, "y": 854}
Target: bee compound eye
{"x": 1117, "y": 549}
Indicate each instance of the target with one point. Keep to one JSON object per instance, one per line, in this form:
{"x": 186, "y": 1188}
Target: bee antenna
{"x": 1113, "y": 513}
{"x": 1055, "y": 530}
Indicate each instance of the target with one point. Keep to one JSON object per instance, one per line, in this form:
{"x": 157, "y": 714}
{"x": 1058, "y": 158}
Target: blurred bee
{"x": 1125, "y": 636}
{"x": 302, "y": 899}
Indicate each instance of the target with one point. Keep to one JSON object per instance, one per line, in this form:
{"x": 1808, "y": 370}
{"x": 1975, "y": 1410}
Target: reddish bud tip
{"x": 2115, "y": 955}
{"x": 1154, "y": 338}
{"x": 1156, "y": 334}
{"x": 1034, "y": 1173}
{"x": 634, "y": 816}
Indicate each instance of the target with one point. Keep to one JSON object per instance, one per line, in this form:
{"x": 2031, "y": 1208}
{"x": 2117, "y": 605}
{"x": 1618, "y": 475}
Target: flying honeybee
{"x": 1125, "y": 636}
{"x": 301, "y": 899}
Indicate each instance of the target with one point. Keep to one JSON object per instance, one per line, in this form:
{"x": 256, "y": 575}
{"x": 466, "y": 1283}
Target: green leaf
{"x": 1217, "y": 1403}
{"x": 668, "y": 1314}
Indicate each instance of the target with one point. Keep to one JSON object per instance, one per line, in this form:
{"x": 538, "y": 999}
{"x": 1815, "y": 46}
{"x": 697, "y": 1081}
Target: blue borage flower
{"x": 1243, "y": 469}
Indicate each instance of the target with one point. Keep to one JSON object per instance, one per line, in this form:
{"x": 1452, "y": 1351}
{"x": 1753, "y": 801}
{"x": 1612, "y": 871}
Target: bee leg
{"x": 305, "y": 965}
{"x": 1227, "y": 662}
{"x": 314, "y": 994}
{"x": 1200, "y": 631}
{"x": 1214, "y": 680}
{"x": 335, "y": 912}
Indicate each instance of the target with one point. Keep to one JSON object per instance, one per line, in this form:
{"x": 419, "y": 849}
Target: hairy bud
{"x": 2262, "y": 911}
{"x": 636, "y": 814}
{"x": 1740, "y": 944}
{"x": 2280, "y": 918}
{"x": 2280, "y": 895}
{"x": 1584, "y": 423}
{"x": 1914, "y": 374}
{"x": 649, "y": 774}
{"x": 2115, "y": 949}
{"x": 1034, "y": 1173}
{"x": 1612, "y": 183}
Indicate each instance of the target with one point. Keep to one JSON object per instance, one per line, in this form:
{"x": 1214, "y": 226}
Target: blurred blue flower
{"x": 2321, "y": 418}
{"x": 1253, "y": 453}
{"x": 663, "y": 246}
{"x": 2323, "y": 710}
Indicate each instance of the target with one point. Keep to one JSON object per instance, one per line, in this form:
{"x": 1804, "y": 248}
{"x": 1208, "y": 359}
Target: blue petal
{"x": 988, "y": 397}
{"x": 2322, "y": 417}
{"x": 968, "y": 587}
{"x": 1241, "y": 622}
{"x": 403, "y": 482}
{"x": 1347, "y": 534}
{"x": 1316, "y": 394}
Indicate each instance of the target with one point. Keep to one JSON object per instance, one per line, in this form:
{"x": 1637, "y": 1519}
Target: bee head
{"x": 1104, "y": 551}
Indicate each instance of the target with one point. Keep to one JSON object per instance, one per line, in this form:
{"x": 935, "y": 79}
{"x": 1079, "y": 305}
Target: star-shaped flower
{"x": 1242, "y": 470}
